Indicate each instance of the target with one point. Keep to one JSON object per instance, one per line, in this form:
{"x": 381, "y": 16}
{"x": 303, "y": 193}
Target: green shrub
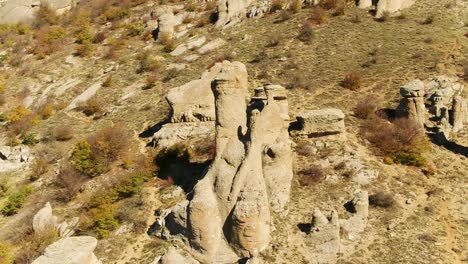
{"x": 30, "y": 139}
{"x": 84, "y": 49}
{"x": 84, "y": 35}
{"x": 6, "y": 253}
{"x": 409, "y": 159}
{"x": 3, "y": 187}
{"x": 102, "y": 219}
{"x": 82, "y": 159}
{"x": 135, "y": 29}
{"x": 16, "y": 200}
{"x": 131, "y": 184}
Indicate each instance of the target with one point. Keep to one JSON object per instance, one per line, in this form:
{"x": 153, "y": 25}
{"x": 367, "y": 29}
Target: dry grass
{"x": 366, "y": 107}
{"x": 311, "y": 175}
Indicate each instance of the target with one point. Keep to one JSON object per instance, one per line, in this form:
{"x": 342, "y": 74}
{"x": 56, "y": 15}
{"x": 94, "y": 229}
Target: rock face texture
{"x": 14, "y": 158}
{"x": 324, "y": 121}
{"x": 166, "y": 25}
{"x": 71, "y": 250}
{"x": 172, "y": 256}
{"x": 459, "y": 113}
{"x": 356, "y": 224}
{"x": 412, "y": 105}
{"x": 232, "y": 11}
{"x": 228, "y": 217}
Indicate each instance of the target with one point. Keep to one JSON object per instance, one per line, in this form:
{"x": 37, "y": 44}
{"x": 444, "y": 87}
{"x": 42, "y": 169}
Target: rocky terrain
{"x": 233, "y": 131}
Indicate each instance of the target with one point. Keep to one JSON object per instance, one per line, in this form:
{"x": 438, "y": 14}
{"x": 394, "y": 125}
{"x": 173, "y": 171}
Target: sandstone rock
{"x": 324, "y": 237}
{"x": 228, "y": 217}
{"x": 459, "y": 113}
{"x": 71, "y": 250}
{"x": 24, "y": 11}
{"x": 173, "y": 133}
{"x": 14, "y": 158}
{"x": 231, "y": 11}
{"x": 392, "y": 6}
{"x": 43, "y": 220}
{"x": 172, "y": 256}
{"x": 179, "y": 50}
{"x": 358, "y": 222}
{"x": 324, "y": 121}
{"x": 86, "y": 95}
{"x": 166, "y": 25}
{"x": 444, "y": 86}
{"x": 191, "y": 58}
{"x": 412, "y": 105}
{"x": 364, "y": 3}
{"x": 212, "y": 45}
{"x": 196, "y": 42}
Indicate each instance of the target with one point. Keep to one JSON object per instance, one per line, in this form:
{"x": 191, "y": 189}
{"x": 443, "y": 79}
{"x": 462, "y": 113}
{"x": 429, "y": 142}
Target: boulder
{"x": 24, "y": 11}
{"x": 70, "y": 250}
{"x": 44, "y": 220}
{"x": 392, "y": 6}
{"x": 173, "y": 133}
{"x": 212, "y": 45}
{"x": 322, "y": 122}
{"x": 356, "y": 224}
{"x": 324, "y": 237}
{"x": 172, "y": 256}
{"x": 231, "y": 11}
{"x": 443, "y": 86}
{"x": 166, "y": 25}
{"x": 14, "y": 158}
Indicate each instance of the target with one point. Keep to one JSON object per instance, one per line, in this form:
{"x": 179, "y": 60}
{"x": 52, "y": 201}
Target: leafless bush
{"x": 382, "y": 199}
{"x": 352, "y": 81}
{"x": 366, "y": 107}
{"x": 311, "y": 175}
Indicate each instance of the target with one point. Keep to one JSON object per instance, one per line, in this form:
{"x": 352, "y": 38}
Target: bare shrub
{"x": 306, "y": 34}
{"x": 39, "y": 168}
{"x": 352, "y": 81}
{"x": 63, "y": 133}
{"x": 296, "y": 6}
{"x": 382, "y": 199}
{"x": 329, "y": 4}
{"x": 71, "y": 181}
{"x": 403, "y": 140}
{"x": 93, "y": 106}
{"x": 366, "y": 107}
{"x": 99, "y": 37}
{"x": 319, "y": 16}
{"x": 303, "y": 148}
{"x": 148, "y": 63}
{"x": 277, "y": 5}
{"x": 311, "y": 175}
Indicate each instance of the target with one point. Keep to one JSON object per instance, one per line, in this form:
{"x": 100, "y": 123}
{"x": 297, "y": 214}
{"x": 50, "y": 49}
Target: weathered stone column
{"x": 459, "y": 113}
{"x": 412, "y": 104}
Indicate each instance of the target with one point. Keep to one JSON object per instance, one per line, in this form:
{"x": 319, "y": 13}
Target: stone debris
{"x": 70, "y": 250}
{"x": 356, "y": 224}
{"x": 229, "y": 217}
{"x": 173, "y": 256}
{"x": 322, "y": 122}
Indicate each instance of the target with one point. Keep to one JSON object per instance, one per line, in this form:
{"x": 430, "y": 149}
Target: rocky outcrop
{"x": 322, "y": 122}
{"x": 356, "y": 224}
{"x": 24, "y": 11}
{"x": 228, "y": 217}
{"x": 444, "y": 86}
{"x": 412, "y": 105}
{"x": 459, "y": 113}
{"x": 172, "y": 256}
{"x": 324, "y": 237}
{"x": 70, "y": 250}
{"x": 232, "y": 11}
{"x": 392, "y": 6}
{"x": 44, "y": 221}
{"x": 14, "y": 158}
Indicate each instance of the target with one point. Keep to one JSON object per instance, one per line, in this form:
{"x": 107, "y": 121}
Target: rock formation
{"x": 228, "y": 217}
{"x": 232, "y": 11}
{"x": 459, "y": 113}
{"x": 70, "y": 250}
{"x": 392, "y": 6}
{"x": 24, "y": 11}
{"x": 356, "y": 224}
{"x": 172, "y": 256}
{"x": 321, "y": 122}
{"x": 324, "y": 237}
{"x": 166, "y": 26}
{"x": 14, "y": 158}
{"x": 412, "y": 105}
{"x": 44, "y": 221}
